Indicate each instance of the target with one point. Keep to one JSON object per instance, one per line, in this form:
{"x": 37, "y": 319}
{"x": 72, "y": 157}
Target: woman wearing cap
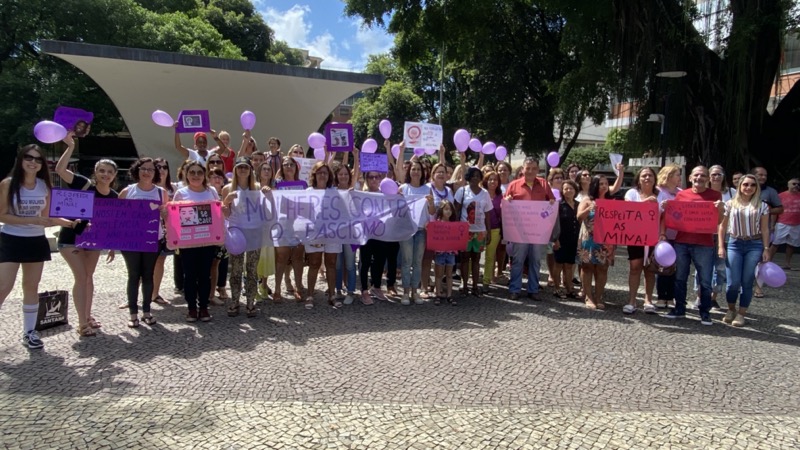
{"x": 243, "y": 180}
{"x": 322, "y": 178}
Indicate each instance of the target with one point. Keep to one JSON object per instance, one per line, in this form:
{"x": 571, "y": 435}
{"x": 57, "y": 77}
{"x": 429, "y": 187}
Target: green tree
{"x": 281, "y": 53}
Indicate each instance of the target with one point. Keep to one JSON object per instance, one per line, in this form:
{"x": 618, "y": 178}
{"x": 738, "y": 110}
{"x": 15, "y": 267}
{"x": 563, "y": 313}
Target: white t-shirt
{"x": 474, "y": 207}
{"x": 407, "y": 189}
{"x": 185, "y": 193}
{"x": 194, "y": 156}
{"x": 664, "y": 194}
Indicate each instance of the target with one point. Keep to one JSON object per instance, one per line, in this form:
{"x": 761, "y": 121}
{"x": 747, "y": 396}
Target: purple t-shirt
{"x": 494, "y": 215}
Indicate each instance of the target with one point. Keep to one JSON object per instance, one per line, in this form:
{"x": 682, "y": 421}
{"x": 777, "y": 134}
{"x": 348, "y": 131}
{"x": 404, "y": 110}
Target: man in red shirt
{"x": 787, "y": 231}
{"x": 530, "y": 187}
{"x": 695, "y": 248}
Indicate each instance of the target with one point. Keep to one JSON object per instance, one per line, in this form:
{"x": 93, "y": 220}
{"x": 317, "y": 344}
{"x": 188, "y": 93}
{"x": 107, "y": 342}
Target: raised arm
{"x": 618, "y": 182}
{"x": 442, "y": 154}
{"x": 63, "y": 162}
{"x": 398, "y": 167}
{"x": 356, "y": 174}
{"x": 178, "y": 146}
{"x": 245, "y": 140}
{"x": 480, "y": 161}
{"x": 223, "y": 149}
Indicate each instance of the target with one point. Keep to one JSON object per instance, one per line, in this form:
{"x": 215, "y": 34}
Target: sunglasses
{"x": 196, "y": 173}
{"x": 374, "y": 177}
{"x": 37, "y": 159}
{"x": 748, "y": 185}
{"x": 146, "y": 169}
{"x": 215, "y": 162}
{"x": 162, "y": 167}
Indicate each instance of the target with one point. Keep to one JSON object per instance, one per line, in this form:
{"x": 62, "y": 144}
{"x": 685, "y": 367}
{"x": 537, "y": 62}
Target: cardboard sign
{"x": 71, "y": 204}
{"x": 691, "y": 217}
{"x": 193, "y": 120}
{"x": 74, "y": 119}
{"x": 626, "y": 223}
{"x": 447, "y": 236}
{"x": 339, "y": 137}
{"x": 374, "y": 162}
{"x": 528, "y": 222}
{"x": 305, "y": 165}
{"x": 122, "y": 224}
{"x": 291, "y": 185}
{"x": 194, "y": 224}
{"x": 422, "y": 135}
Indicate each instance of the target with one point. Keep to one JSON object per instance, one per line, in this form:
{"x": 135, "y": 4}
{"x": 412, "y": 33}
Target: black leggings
{"x": 197, "y": 275}
{"x": 140, "y": 268}
{"x": 373, "y": 258}
{"x": 177, "y": 271}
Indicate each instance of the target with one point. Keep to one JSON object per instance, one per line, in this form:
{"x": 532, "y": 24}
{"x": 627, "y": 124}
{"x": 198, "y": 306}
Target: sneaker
{"x": 673, "y": 314}
{"x": 576, "y": 282}
{"x": 715, "y": 305}
{"x": 729, "y": 316}
{"x": 629, "y": 309}
{"x": 348, "y": 299}
{"x": 514, "y": 296}
{"x": 32, "y": 339}
{"x": 191, "y": 316}
{"x": 661, "y": 304}
{"x": 377, "y": 293}
{"x": 204, "y": 315}
{"x": 366, "y": 298}
{"x": 417, "y": 299}
{"x": 738, "y": 321}
{"x": 405, "y": 301}
{"x": 705, "y": 319}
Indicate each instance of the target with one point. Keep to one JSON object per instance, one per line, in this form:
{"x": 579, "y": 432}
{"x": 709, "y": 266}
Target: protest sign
{"x": 74, "y": 119}
{"x": 528, "y": 222}
{"x": 121, "y": 224}
{"x": 447, "y": 236}
{"x": 299, "y": 185}
{"x": 339, "y": 137}
{"x": 71, "y": 204}
{"x": 194, "y": 224}
{"x": 626, "y": 223}
{"x": 691, "y": 217}
{"x": 305, "y": 167}
{"x": 422, "y": 135}
{"x": 193, "y": 120}
{"x": 615, "y": 158}
{"x": 374, "y": 162}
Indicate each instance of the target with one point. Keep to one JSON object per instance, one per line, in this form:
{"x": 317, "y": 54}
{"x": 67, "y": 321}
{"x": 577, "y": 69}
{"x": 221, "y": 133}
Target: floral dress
{"x": 590, "y": 252}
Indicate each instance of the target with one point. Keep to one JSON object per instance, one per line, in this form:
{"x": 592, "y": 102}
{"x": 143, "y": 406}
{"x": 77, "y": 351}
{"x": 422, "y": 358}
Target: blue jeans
{"x": 743, "y": 256}
{"x": 519, "y": 253}
{"x": 346, "y": 259}
{"x": 703, "y": 259}
{"x": 719, "y": 280}
{"x": 412, "y": 251}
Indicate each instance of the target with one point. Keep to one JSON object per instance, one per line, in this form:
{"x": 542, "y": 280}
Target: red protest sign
{"x": 691, "y": 217}
{"x": 447, "y": 236}
{"x": 626, "y": 223}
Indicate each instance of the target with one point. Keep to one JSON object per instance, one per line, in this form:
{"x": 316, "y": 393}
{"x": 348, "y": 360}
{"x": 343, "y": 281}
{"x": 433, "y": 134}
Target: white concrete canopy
{"x": 289, "y": 102}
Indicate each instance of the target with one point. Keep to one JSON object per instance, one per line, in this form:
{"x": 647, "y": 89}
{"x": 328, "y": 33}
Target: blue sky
{"x": 321, "y": 27}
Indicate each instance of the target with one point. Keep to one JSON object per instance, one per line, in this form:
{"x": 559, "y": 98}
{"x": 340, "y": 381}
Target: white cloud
{"x": 373, "y": 40}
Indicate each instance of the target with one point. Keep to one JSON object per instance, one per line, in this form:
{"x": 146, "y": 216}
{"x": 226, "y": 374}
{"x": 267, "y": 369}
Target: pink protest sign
{"x": 691, "y": 217}
{"x": 194, "y": 224}
{"x": 447, "y": 236}
{"x": 626, "y": 223}
{"x": 528, "y": 222}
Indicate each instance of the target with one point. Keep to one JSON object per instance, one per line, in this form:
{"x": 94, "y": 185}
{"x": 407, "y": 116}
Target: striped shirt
{"x": 744, "y": 222}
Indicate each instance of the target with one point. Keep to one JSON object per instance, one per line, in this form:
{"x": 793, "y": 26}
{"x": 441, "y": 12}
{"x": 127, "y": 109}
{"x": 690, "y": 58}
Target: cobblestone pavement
{"x": 488, "y": 373}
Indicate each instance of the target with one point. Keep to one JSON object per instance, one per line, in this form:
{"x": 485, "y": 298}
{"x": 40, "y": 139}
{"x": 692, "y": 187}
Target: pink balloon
{"x": 461, "y": 139}
{"x": 430, "y": 151}
{"x": 49, "y": 132}
{"x": 489, "y": 148}
{"x": 316, "y": 140}
{"x": 388, "y": 186}
{"x": 419, "y": 151}
{"x": 248, "y": 120}
{"x": 319, "y": 153}
{"x": 553, "y": 159}
{"x": 369, "y": 146}
{"x": 396, "y": 151}
{"x": 235, "y": 241}
{"x": 500, "y": 153}
{"x": 385, "y": 127}
{"x": 162, "y": 118}
{"x": 665, "y": 254}
{"x": 475, "y": 145}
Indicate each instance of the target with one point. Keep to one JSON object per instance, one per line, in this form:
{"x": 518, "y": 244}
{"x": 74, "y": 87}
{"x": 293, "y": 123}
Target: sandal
{"x": 233, "y": 311}
{"x": 477, "y": 292}
{"x": 438, "y": 301}
{"x": 86, "y": 330}
{"x": 277, "y": 298}
{"x": 463, "y": 291}
{"x": 589, "y": 304}
{"x": 573, "y": 295}
{"x": 252, "y": 311}
{"x": 601, "y": 306}
{"x": 133, "y": 323}
{"x": 560, "y": 294}
{"x": 452, "y": 301}
{"x": 160, "y": 300}
{"x": 149, "y": 320}
{"x": 222, "y": 294}
{"x": 309, "y": 303}
{"x": 94, "y": 323}
{"x": 336, "y": 303}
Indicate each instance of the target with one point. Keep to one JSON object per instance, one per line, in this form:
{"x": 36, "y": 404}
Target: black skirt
{"x": 19, "y": 249}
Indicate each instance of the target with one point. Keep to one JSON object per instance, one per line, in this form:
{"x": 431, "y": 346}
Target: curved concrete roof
{"x": 289, "y": 102}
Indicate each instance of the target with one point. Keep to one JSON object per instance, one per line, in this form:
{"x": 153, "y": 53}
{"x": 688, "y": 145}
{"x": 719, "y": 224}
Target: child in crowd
{"x": 444, "y": 261}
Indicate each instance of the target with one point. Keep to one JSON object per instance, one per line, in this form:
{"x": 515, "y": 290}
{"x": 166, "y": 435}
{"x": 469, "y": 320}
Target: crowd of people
{"x": 753, "y": 221}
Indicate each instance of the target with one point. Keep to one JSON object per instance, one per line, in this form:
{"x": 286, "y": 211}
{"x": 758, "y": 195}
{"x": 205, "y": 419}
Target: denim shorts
{"x": 444, "y": 259}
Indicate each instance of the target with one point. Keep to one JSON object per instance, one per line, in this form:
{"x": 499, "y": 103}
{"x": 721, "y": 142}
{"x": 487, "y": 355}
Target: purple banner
{"x": 74, "y": 119}
{"x": 291, "y": 185}
{"x": 339, "y": 137}
{"x": 120, "y": 224}
{"x": 71, "y": 204}
{"x": 373, "y": 162}
{"x": 193, "y": 120}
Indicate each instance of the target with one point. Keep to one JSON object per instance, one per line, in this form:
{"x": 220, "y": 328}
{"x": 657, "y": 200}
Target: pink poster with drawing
{"x": 194, "y": 224}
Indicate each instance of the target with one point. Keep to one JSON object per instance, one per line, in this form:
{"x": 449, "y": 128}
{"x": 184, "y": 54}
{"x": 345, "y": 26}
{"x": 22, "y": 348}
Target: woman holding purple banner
{"x": 141, "y": 265}
{"x": 345, "y": 180}
{"x": 413, "y": 249}
{"x": 321, "y": 177}
{"x": 83, "y": 262}
{"x": 291, "y": 254}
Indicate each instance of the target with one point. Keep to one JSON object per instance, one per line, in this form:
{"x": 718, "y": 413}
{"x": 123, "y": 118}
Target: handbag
{"x": 653, "y": 266}
{"x": 53, "y": 306}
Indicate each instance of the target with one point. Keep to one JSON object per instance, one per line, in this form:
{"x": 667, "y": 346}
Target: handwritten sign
{"x": 193, "y": 120}
{"x": 626, "y": 223}
{"x": 194, "y": 224}
{"x": 374, "y": 162}
{"x": 71, "y": 204}
{"x": 422, "y": 135}
{"x": 447, "y": 236}
{"x": 528, "y": 222}
{"x": 74, "y": 119}
{"x": 691, "y": 217}
{"x": 305, "y": 167}
{"x": 339, "y": 137}
{"x": 120, "y": 224}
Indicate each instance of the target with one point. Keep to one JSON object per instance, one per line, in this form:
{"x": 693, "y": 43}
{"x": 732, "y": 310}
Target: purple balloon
{"x": 49, "y": 132}
{"x": 500, "y": 153}
{"x": 772, "y": 275}
{"x": 665, "y": 254}
{"x": 369, "y": 146}
{"x": 396, "y": 151}
{"x": 316, "y": 140}
{"x": 229, "y": 176}
{"x": 162, "y": 118}
{"x": 461, "y": 139}
{"x": 385, "y": 127}
{"x": 430, "y": 151}
{"x": 235, "y": 241}
{"x": 489, "y": 148}
{"x": 248, "y": 120}
{"x": 553, "y": 159}
{"x": 556, "y": 193}
{"x": 388, "y": 186}
{"x": 319, "y": 154}
{"x": 419, "y": 151}
{"x": 475, "y": 145}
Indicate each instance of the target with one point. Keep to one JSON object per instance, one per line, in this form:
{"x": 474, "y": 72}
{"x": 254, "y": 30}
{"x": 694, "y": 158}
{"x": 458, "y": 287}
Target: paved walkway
{"x": 489, "y": 373}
